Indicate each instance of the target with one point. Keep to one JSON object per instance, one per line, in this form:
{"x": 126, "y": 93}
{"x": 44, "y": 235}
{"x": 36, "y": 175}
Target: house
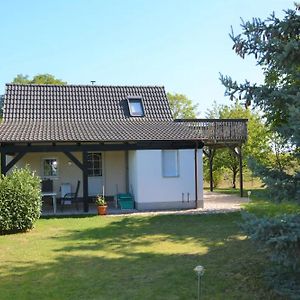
{"x": 113, "y": 138}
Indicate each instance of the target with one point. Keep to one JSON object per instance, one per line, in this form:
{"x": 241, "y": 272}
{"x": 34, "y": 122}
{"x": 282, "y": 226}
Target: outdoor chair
{"x": 47, "y": 186}
{"x": 71, "y": 198}
{"x": 47, "y": 192}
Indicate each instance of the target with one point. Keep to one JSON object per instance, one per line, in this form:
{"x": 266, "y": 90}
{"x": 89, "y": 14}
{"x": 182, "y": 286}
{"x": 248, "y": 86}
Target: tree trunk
{"x": 234, "y": 173}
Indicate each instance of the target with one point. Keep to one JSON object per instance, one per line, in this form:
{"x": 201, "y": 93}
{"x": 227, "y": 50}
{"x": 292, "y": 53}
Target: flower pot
{"x": 102, "y": 210}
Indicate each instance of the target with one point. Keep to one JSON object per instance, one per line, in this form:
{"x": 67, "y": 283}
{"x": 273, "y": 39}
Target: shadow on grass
{"x": 143, "y": 258}
{"x": 67, "y": 216}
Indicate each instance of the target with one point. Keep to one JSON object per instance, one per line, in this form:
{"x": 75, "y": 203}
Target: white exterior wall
{"x": 114, "y": 172}
{"x": 153, "y": 191}
{"x": 132, "y": 172}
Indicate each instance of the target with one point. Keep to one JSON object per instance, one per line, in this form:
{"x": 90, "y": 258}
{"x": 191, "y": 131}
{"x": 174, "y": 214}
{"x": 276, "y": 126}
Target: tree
{"x": 38, "y": 79}
{"x": 257, "y": 145}
{"x": 182, "y": 107}
{"x": 275, "y": 44}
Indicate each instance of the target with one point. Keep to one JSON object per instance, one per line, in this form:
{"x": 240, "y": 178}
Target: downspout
{"x": 196, "y": 174}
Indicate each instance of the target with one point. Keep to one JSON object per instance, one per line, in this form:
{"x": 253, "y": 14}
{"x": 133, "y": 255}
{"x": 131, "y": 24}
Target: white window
{"x": 50, "y": 167}
{"x": 94, "y": 164}
{"x": 135, "y": 107}
{"x": 170, "y": 163}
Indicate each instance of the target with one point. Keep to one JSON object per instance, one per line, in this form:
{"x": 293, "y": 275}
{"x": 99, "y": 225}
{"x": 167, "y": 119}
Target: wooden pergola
{"x": 220, "y": 133}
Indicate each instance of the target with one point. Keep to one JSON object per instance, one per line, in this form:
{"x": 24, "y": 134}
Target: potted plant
{"x": 101, "y": 205}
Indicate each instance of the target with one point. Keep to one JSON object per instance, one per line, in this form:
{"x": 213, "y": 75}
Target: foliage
{"x": 181, "y": 106}
{"x": 279, "y": 238}
{"x": 281, "y": 185}
{"x": 38, "y": 79}
{"x": 20, "y": 201}
{"x": 100, "y": 201}
{"x": 1, "y": 106}
{"x": 217, "y": 173}
{"x": 256, "y": 147}
{"x": 275, "y": 45}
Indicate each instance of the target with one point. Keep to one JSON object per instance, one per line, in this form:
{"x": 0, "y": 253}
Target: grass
{"x": 260, "y": 203}
{"x": 140, "y": 257}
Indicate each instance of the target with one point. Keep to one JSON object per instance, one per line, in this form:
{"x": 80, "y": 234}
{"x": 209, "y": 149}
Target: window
{"x": 94, "y": 164}
{"x": 50, "y": 167}
{"x": 170, "y": 163}
{"x": 135, "y": 105}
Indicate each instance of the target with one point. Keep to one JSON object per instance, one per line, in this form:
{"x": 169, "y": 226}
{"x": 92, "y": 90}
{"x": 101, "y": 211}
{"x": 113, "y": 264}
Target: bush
{"x": 20, "y": 201}
{"x": 279, "y": 238}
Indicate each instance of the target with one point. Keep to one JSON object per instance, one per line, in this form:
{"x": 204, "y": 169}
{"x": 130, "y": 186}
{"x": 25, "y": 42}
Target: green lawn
{"x": 260, "y": 203}
{"x": 145, "y": 257}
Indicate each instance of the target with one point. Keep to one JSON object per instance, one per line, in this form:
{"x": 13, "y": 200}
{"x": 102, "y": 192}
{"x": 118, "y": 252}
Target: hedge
{"x": 20, "y": 201}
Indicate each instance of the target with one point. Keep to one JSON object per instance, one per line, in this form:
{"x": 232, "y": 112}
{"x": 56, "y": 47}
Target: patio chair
{"x": 47, "y": 186}
{"x": 71, "y": 198}
{"x": 47, "y": 193}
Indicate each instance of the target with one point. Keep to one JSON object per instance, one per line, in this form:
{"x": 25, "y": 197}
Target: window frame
{"x": 92, "y": 174}
{"x": 176, "y": 160}
{"x": 131, "y": 99}
{"x": 43, "y": 168}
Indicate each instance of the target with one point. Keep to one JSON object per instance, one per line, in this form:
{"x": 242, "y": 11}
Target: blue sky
{"x": 182, "y": 45}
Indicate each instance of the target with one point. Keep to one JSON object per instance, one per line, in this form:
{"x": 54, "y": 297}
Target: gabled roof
{"x": 82, "y": 102}
{"x": 77, "y": 113}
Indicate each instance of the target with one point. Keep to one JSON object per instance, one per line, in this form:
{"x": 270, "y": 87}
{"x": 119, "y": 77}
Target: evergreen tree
{"x": 275, "y": 44}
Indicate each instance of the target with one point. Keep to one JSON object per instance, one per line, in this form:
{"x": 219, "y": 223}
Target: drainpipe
{"x": 196, "y": 174}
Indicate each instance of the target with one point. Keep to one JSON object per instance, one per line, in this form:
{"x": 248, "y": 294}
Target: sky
{"x": 182, "y": 45}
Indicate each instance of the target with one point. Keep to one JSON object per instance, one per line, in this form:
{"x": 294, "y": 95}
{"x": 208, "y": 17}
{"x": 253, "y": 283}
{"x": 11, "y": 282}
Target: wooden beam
{"x": 74, "y": 160}
{"x": 150, "y": 145}
{"x": 205, "y": 152}
{"x": 211, "y": 178}
{"x": 3, "y": 163}
{"x": 14, "y": 161}
{"x": 241, "y": 171}
{"x": 85, "y": 181}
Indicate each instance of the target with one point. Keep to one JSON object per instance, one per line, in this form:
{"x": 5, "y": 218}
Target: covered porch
{"x": 99, "y": 168}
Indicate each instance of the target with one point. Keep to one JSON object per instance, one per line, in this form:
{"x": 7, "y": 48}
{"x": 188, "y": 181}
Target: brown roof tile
{"x": 40, "y": 113}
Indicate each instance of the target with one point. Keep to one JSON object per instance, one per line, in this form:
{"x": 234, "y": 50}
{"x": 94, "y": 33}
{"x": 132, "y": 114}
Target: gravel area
{"x": 213, "y": 203}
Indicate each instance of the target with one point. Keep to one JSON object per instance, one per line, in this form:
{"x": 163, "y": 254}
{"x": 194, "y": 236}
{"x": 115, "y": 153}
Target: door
{"x": 95, "y": 173}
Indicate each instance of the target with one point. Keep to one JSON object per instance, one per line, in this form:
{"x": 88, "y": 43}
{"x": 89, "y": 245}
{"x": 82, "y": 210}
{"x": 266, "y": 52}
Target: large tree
{"x": 275, "y": 44}
{"x": 38, "y": 79}
{"x": 182, "y": 107}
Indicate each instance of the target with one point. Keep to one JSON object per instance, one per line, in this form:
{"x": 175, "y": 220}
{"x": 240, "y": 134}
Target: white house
{"x": 117, "y": 138}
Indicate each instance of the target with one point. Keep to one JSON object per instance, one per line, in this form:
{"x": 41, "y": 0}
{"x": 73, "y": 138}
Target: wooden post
{"x": 211, "y": 179}
{"x": 3, "y": 163}
{"x": 241, "y": 171}
{"x": 85, "y": 181}
{"x": 196, "y": 175}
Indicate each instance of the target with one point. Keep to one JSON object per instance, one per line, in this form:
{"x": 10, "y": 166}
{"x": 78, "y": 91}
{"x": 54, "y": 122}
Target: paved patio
{"x": 213, "y": 203}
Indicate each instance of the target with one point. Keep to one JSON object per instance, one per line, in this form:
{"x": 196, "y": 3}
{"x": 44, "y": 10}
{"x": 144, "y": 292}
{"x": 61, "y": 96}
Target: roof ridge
{"x": 83, "y": 85}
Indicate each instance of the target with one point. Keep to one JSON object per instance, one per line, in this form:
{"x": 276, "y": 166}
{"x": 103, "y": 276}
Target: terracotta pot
{"x": 102, "y": 210}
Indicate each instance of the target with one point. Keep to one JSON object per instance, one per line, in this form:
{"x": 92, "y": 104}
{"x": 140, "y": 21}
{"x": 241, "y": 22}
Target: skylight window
{"x": 135, "y": 105}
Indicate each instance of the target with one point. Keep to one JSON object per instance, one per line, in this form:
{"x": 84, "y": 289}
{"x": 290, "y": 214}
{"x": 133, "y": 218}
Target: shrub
{"x": 20, "y": 201}
{"x": 279, "y": 238}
